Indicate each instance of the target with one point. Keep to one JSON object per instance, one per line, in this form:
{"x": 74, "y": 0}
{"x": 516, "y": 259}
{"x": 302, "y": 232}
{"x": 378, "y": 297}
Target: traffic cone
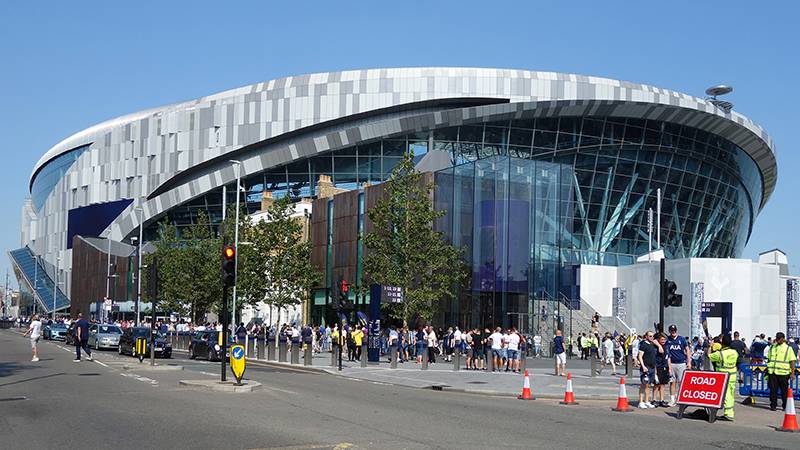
{"x": 526, "y": 388}
{"x": 789, "y": 416}
{"x": 569, "y": 397}
{"x": 622, "y": 399}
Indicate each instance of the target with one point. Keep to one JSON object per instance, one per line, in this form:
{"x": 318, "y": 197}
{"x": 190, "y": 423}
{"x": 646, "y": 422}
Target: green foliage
{"x": 277, "y": 265}
{"x": 188, "y": 268}
{"x": 274, "y": 264}
{"x": 405, "y": 250}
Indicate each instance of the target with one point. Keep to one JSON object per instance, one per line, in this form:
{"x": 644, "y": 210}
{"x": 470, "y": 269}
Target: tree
{"x": 188, "y": 268}
{"x": 406, "y": 251}
{"x": 275, "y": 265}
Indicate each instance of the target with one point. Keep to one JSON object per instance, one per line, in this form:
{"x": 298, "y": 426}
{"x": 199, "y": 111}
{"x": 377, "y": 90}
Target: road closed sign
{"x": 237, "y": 362}
{"x": 705, "y": 389}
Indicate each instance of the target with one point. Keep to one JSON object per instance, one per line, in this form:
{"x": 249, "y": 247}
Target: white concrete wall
{"x": 757, "y": 291}
{"x": 596, "y": 284}
{"x": 759, "y": 303}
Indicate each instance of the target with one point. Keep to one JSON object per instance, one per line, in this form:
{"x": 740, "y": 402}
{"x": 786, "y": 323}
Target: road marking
{"x": 102, "y": 364}
{"x": 280, "y": 390}
{"x": 341, "y": 446}
{"x": 140, "y": 378}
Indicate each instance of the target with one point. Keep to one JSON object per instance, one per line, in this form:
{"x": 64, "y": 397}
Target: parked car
{"x": 104, "y": 336}
{"x": 127, "y": 342}
{"x": 56, "y": 332}
{"x": 205, "y": 344}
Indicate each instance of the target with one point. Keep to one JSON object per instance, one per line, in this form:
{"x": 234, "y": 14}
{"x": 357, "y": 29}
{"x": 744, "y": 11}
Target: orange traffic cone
{"x": 622, "y": 398}
{"x": 526, "y": 388}
{"x": 569, "y": 397}
{"x": 789, "y": 416}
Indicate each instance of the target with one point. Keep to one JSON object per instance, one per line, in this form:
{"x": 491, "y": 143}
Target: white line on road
{"x": 102, "y": 364}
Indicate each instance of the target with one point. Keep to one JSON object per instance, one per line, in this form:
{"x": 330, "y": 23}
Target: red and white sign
{"x": 706, "y": 389}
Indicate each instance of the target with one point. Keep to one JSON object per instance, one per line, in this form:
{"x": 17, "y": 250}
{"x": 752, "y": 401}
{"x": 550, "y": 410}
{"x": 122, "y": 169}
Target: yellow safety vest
{"x": 725, "y": 360}
{"x": 780, "y": 359}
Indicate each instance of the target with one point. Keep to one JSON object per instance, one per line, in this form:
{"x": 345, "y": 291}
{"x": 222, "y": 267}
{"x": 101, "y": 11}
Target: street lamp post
{"x": 55, "y": 287}
{"x": 238, "y": 165}
{"x": 139, "y": 269}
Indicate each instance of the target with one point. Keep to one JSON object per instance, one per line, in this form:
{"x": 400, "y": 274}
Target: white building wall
{"x": 757, "y": 292}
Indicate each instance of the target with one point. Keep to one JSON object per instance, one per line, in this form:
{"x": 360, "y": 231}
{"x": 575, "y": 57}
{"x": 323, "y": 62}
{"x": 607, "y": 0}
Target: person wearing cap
{"x": 679, "y": 355}
{"x": 780, "y": 367}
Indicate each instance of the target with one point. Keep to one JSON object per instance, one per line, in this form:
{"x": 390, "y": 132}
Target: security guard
{"x": 781, "y": 361}
{"x": 725, "y": 361}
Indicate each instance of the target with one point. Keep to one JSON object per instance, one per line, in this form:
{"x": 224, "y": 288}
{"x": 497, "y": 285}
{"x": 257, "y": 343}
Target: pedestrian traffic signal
{"x": 671, "y": 298}
{"x": 229, "y": 266}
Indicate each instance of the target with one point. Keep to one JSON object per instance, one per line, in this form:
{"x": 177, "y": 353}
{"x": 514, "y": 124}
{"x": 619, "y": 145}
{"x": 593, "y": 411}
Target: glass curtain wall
{"x": 512, "y": 218}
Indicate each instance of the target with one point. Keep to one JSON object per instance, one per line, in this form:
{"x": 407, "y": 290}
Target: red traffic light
{"x": 345, "y": 288}
{"x": 229, "y": 253}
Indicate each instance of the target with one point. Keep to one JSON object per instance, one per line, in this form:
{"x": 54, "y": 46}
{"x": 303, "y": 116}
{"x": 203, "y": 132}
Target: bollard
{"x": 393, "y": 357}
{"x": 593, "y": 365}
{"x": 490, "y": 362}
{"x": 456, "y": 359}
{"x": 282, "y": 357}
{"x": 184, "y": 341}
{"x": 249, "y": 347}
{"x": 425, "y": 358}
{"x": 295, "y": 353}
{"x": 523, "y": 363}
{"x": 363, "y": 354}
{"x": 270, "y": 350}
{"x": 308, "y": 355}
{"x": 629, "y": 366}
{"x": 334, "y": 352}
{"x": 259, "y": 349}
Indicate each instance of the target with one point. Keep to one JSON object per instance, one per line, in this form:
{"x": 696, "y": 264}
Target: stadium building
{"x": 541, "y": 173}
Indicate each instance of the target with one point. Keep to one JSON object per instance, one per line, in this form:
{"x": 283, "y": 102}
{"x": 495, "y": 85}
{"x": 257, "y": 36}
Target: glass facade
{"x": 513, "y": 218}
{"x": 51, "y": 173}
{"x": 711, "y": 188}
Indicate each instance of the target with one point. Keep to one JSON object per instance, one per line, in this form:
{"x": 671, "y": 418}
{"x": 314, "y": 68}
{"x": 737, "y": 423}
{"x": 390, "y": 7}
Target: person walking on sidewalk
{"x": 780, "y": 365}
{"x": 608, "y": 354}
{"x": 82, "y": 338}
{"x": 561, "y": 355}
{"x": 35, "y": 330}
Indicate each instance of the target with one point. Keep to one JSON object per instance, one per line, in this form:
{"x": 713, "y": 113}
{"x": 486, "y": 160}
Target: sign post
{"x": 238, "y": 362}
{"x": 703, "y": 389}
{"x": 141, "y": 348}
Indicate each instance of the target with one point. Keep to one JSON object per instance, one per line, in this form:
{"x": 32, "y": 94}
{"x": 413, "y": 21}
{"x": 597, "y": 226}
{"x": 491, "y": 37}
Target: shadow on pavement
{"x": 32, "y": 379}
{"x": 9, "y": 368}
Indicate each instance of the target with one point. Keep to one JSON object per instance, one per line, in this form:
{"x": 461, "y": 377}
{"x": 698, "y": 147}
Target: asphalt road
{"x": 56, "y": 403}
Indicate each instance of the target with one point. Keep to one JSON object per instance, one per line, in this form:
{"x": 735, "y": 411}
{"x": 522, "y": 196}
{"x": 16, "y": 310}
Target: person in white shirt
{"x": 496, "y": 339}
{"x": 431, "y": 338}
{"x": 537, "y": 346}
{"x": 512, "y": 350}
{"x": 608, "y": 354}
{"x": 35, "y": 330}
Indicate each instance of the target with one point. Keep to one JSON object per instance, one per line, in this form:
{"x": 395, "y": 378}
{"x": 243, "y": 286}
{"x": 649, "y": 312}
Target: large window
{"x": 53, "y": 171}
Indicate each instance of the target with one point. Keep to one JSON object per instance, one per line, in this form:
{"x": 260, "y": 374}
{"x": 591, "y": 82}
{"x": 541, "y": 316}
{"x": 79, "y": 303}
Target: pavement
{"x": 56, "y": 403}
{"x": 441, "y": 376}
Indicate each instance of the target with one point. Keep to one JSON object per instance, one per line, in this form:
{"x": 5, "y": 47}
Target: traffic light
{"x": 671, "y": 298}
{"x": 152, "y": 279}
{"x": 229, "y": 266}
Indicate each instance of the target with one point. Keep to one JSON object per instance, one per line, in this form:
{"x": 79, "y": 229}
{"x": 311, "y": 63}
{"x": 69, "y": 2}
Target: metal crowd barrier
{"x": 756, "y": 384}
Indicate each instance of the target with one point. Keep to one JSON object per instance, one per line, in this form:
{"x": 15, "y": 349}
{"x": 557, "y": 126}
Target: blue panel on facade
{"x": 38, "y": 280}
{"x": 93, "y": 219}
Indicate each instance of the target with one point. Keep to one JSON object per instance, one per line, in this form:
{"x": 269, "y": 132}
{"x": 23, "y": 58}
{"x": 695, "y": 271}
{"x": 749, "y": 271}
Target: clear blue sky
{"x": 67, "y": 65}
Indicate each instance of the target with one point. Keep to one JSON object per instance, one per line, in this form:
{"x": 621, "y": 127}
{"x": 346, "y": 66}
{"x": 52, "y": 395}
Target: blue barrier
{"x": 756, "y": 385}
